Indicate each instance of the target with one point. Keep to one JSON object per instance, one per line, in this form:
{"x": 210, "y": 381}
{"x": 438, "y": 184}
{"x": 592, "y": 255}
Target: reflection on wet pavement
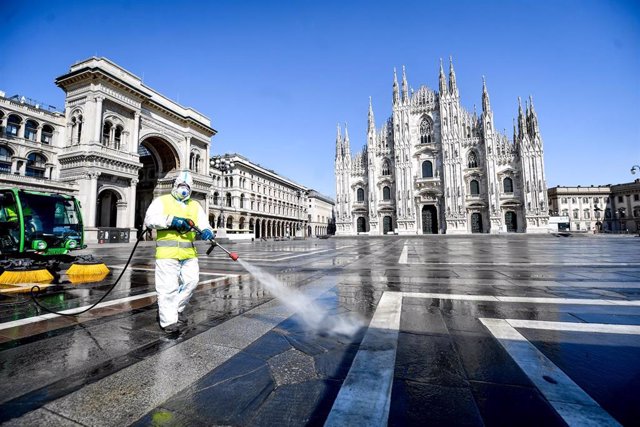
{"x": 246, "y": 359}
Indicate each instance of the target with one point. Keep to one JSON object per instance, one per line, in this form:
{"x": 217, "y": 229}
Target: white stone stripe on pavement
{"x": 536, "y": 300}
{"x": 604, "y": 328}
{"x": 404, "y": 255}
{"x": 575, "y": 406}
{"x": 365, "y": 395}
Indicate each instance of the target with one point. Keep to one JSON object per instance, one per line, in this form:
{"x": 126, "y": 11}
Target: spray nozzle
{"x": 232, "y": 255}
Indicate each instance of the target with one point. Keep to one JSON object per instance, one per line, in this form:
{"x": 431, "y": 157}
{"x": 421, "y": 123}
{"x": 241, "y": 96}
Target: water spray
{"x": 232, "y": 255}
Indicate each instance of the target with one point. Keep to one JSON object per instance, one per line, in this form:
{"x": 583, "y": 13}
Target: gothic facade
{"x": 434, "y": 168}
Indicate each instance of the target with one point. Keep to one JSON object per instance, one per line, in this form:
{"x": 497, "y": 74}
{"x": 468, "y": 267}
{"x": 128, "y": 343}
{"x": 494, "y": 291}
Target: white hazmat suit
{"x": 176, "y": 276}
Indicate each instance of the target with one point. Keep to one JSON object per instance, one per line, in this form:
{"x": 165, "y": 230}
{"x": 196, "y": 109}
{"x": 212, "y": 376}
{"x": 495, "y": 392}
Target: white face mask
{"x": 183, "y": 192}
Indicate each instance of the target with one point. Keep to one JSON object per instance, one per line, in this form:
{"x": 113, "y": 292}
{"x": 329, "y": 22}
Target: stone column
{"x": 92, "y": 198}
{"x": 187, "y": 158}
{"x": 135, "y": 135}
{"x": 23, "y": 126}
{"x": 39, "y": 133}
{"x": 98, "y": 119}
{"x": 131, "y": 206}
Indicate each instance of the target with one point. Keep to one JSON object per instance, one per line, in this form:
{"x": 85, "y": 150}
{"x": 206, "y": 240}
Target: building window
{"x": 564, "y": 200}
{"x": 576, "y": 214}
{"x": 585, "y": 200}
{"x": 360, "y": 195}
{"x": 473, "y": 160}
{"x": 620, "y": 199}
{"x": 47, "y": 134}
{"x": 31, "y": 130}
{"x": 35, "y": 165}
{"x": 242, "y": 201}
{"x": 636, "y": 197}
{"x": 228, "y": 200}
{"x": 386, "y": 193}
{"x": 474, "y": 187}
{"x": 426, "y": 131}
{"x": 106, "y": 133}
{"x": 507, "y": 184}
{"x": 385, "y": 168}
{"x": 215, "y": 198}
{"x": 5, "y": 160}
{"x": 427, "y": 169}
{"x": 573, "y": 200}
{"x": 13, "y": 125}
{"x": 587, "y": 214}
{"x": 117, "y": 137}
{"x": 565, "y": 212}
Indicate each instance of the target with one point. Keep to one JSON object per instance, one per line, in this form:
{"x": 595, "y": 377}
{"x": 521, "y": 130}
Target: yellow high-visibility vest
{"x": 170, "y": 243}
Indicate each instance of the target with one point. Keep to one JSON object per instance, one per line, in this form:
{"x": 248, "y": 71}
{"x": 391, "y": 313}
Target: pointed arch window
{"x": 360, "y": 195}
{"x": 473, "y": 160}
{"x": 385, "y": 167}
{"x": 507, "y": 185}
{"x": 474, "y": 186}
{"x": 426, "y": 131}
{"x": 427, "y": 169}
{"x": 386, "y": 193}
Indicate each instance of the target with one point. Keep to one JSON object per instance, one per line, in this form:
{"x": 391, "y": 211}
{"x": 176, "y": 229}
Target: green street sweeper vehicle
{"x": 39, "y": 233}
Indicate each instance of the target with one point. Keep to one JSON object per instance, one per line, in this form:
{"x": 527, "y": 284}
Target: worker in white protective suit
{"x": 177, "y": 269}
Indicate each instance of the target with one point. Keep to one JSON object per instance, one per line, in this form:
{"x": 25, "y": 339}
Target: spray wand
{"x": 232, "y": 255}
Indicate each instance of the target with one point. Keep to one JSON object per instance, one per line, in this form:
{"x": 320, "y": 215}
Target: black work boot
{"x": 183, "y": 320}
{"x": 172, "y": 329}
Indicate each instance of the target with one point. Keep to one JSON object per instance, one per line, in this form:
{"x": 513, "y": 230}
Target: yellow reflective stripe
{"x": 190, "y": 210}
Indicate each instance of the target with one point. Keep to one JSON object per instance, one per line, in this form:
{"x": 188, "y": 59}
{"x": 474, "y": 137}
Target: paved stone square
{"x": 469, "y": 330}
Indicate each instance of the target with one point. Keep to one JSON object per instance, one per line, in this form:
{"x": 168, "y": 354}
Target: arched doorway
{"x": 158, "y": 159}
{"x": 476, "y": 223}
{"x": 362, "y": 225}
{"x": 511, "y": 221}
{"x": 387, "y": 224}
{"x": 107, "y": 209}
{"x": 429, "y": 220}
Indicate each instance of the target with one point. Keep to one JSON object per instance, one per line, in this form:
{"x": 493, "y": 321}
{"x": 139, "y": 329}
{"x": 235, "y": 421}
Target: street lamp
{"x": 598, "y": 223}
{"x": 225, "y": 166}
{"x": 634, "y": 169}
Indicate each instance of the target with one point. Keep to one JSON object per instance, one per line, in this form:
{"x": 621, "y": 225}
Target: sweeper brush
{"x": 26, "y": 275}
{"x": 85, "y": 272}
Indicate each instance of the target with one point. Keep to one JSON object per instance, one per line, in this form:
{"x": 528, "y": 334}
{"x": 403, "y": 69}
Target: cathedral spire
{"x": 533, "y": 118}
{"x": 442, "y": 82}
{"x": 522, "y": 124}
{"x": 486, "y": 105}
{"x": 339, "y": 152}
{"x": 453, "y": 87}
{"x": 371, "y": 121}
{"x": 396, "y": 94}
{"x": 405, "y": 86}
{"x": 347, "y": 147}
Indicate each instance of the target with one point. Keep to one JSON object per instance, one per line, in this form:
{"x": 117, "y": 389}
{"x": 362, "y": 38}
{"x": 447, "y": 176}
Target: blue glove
{"x": 207, "y": 234}
{"x": 180, "y": 224}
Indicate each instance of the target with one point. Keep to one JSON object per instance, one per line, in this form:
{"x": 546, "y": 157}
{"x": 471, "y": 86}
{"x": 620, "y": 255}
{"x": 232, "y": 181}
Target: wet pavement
{"x": 469, "y": 330}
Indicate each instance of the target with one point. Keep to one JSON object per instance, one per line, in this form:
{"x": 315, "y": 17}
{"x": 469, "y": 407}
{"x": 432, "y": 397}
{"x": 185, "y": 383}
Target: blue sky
{"x": 275, "y": 77}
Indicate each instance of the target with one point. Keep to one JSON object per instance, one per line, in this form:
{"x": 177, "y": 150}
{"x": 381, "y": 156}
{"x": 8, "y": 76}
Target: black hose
{"x": 36, "y": 288}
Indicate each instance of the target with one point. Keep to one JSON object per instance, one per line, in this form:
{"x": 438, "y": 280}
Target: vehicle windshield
{"x": 50, "y": 215}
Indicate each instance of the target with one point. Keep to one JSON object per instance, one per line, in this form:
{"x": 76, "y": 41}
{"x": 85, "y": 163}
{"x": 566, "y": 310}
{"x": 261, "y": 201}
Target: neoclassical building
{"x": 255, "y": 202}
{"x": 118, "y": 144}
{"x": 434, "y": 167}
